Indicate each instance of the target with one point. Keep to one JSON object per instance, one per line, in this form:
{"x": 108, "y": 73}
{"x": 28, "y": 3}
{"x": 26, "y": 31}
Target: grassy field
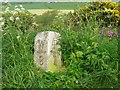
{"x": 42, "y": 11}
{"x": 41, "y": 7}
{"x": 44, "y": 5}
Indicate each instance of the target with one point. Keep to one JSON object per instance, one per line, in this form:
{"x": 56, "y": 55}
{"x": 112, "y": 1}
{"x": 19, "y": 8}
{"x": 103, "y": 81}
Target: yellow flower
{"x": 117, "y": 15}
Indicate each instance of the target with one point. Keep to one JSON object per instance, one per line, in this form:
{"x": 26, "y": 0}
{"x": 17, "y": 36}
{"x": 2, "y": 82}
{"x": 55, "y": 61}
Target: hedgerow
{"x": 107, "y": 12}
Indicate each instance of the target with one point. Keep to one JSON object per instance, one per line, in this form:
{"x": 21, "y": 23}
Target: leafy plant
{"x": 19, "y": 18}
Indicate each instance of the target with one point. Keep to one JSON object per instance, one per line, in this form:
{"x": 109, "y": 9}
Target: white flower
{"x": 34, "y": 24}
{"x": 17, "y": 9}
{"x": 7, "y": 9}
{"x": 21, "y": 6}
{"x": 78, "y": 22}
{"x": 34, "y": 17}
{"x": 17, "y": 18}
{"x": 56, "y": 16}
{"x": 1, "y": 19}
{"x": 2, "y": 23}
{"x": 18, "y": 37}
{"x": 14, "y": 12}
{"x": 60, "y": 17}
{"x": 4, "y": 33}
{"x": 11, "y": 18}
{"x": 1, "y": 30}
{"x": 23, "y": 9}
{"x": 16, "y": 6}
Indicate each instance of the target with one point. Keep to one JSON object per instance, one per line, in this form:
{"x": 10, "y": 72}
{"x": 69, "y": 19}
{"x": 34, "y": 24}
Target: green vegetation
{"x": 107, "y": 12}
{"x": 89, "y": 51}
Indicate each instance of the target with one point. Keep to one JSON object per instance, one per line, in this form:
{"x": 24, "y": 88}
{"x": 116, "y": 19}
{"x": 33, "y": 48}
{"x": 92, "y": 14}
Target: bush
{"x": 46, "y": 18}
{"x": 107, "y": 12}
{"x": 82, "y": 48}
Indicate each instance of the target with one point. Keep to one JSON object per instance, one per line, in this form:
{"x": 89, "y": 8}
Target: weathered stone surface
{"x": 46, "y": 51}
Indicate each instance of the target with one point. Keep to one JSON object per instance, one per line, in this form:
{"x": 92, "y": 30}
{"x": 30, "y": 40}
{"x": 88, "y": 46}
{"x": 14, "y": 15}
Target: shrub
{"x": 108, "y": 12}
{"x": 46, "y": 18}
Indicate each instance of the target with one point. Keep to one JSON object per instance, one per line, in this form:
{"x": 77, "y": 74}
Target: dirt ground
{"x": 41, "y": 11}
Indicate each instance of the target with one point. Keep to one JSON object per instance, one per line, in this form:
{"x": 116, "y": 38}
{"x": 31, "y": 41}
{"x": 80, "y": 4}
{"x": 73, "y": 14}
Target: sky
{"x": 50, "y": 0}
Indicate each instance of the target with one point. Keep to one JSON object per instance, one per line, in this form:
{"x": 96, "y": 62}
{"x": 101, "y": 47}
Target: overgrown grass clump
{"x": 89, "y": 53}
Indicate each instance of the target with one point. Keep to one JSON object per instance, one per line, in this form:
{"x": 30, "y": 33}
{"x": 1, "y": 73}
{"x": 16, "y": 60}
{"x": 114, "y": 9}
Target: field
{"x": 59, "y": 5}
{"x": 89, "y": 44}
{"x": 41, "y": 7}
{"x": 41, "y": 11}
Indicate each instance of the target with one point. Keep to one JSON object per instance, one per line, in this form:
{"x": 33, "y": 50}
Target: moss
{"x": 51, "y": 65}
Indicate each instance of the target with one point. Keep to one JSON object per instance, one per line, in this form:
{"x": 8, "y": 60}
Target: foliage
{"x": 18, "y": 18}
{"x": 87, "y": 56}
{"x": 46, "y": 19}
{"x": 107, "y": 12}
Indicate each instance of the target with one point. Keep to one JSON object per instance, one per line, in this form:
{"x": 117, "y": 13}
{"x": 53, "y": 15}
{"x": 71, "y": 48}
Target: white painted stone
{"x": 46, "y": 51}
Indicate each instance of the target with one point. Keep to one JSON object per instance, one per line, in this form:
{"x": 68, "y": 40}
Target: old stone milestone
{"x": 46, "y": 51}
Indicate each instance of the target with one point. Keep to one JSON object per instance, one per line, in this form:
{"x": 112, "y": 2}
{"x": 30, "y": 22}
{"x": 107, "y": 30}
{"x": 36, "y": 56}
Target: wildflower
{"x": 11, "y": 18}
{"x": 23, "y": 9}
{"x": 56, "y": 16}
{"x": 16, "y": 6}
{"x": 117, "y": 15}
{"x": 60, "y": 17}
{"x": 34, "y": 17}
{"x": 78, "y": 22}
{"x": 102, "y": 31}
{"x": 18, "y": 37}
{"x": 110, "y": 33}
{"x": 34, "y": 24}
{"x": 2, "y": 23}
{"x": 21, "y": 6}
{"x": 4, "y": 33}
{"x": 17, "y": 18}
{"x": 14, "y": 13}
{"x": 1, "y": 19}
{"x": 7, "y": 9}
{"x": 1, "y": 29}
{"x": 17, "y": 9}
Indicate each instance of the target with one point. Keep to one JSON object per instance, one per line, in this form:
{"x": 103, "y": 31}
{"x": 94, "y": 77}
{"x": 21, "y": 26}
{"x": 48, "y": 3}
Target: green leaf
{"x": 72, "y": 55}
{"x": 79, "y": 54}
